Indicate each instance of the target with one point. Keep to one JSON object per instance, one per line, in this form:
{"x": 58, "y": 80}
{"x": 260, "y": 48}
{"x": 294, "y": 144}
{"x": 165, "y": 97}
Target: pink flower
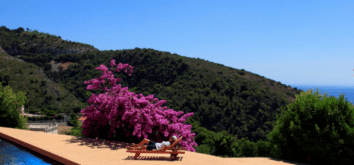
{"x": 113, "y": 62}
{"x": 118, "y": 104}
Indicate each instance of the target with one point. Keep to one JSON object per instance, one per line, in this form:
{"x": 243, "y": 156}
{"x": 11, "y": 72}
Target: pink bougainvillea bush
{"x": 135, "y": 114}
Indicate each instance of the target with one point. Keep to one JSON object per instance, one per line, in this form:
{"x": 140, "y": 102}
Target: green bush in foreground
{"x": 319, "y": 129}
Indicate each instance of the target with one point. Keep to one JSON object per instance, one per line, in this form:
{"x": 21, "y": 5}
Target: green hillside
{"x": 42, "y": 93}
{"x": 223, "y": 98}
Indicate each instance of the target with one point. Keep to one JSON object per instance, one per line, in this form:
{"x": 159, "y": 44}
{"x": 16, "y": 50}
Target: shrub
{"x": 33, "y": 80}
{"x": 322, "y": 129}
{"x": 4, "y": 79}
{"x": 47, "y": 67}
{"x": 60, "y": 117}
{"x": 263, "y": 149}
{"x": 231, "y": 147}
{"x": 242, "y": 72}
{"x": 43, "y": 83}
{"x": 73, "y": 120}
{"x": 246, "y": 148}
{"x": 77, "y": 131}
{"x": 32, "y": 111}
{"x": 224, "y": 145}
{"x": 19, "y": 30}
{"x": 204, "y": 148}
{"x": 50, "y": 113}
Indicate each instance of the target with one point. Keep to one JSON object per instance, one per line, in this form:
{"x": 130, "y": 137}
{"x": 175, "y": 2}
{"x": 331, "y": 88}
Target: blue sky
{"x": 294, "y": 42}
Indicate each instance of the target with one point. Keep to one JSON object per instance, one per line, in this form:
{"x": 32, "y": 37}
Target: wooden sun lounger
{"x": 174, "y": 152}
{"x": 141, "y": 148}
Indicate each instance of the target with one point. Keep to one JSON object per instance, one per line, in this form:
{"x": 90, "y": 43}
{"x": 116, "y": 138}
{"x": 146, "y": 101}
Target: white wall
{"x": 47, "y": 127}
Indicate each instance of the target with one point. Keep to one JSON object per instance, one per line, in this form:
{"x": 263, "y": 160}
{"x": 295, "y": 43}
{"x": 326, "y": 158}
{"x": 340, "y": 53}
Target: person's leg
{"x": 145, "y": 141}
{"x": 151, "y": 146}
{"x": 144, "y": 147}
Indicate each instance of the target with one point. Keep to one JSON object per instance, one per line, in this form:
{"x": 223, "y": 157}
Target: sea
{"x": 335, "y": 91}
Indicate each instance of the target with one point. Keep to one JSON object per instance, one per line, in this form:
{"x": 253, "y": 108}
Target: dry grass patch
{"x": 64, "y": 128}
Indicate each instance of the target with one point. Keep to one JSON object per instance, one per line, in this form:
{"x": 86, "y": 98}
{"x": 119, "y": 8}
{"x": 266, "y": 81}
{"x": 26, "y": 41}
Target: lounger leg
{"x": 136, "y": 155}
{"x": 173, "y": 156}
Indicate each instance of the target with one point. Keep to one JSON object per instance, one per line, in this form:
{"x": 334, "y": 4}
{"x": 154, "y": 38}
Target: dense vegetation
{"x": 43, "y": 95}
{"x": 226, "y": 101}
{"x": 222, "y": 98}
{"x": 32, "y": 41}
{"x": 36, "y": 47}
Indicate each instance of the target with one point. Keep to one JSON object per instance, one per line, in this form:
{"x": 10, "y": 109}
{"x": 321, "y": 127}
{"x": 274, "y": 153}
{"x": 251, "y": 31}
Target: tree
{"x": 47, "y": 67}
{"x": 77, "y": 131}
{"x": 4, "y": 79}
{"x": 73, "y": 120}
{"x": 242, "y": 72}
{"x": 50, "y": 113}
{"x": 77, "y": 109}
{"x": 315, "y": 127}
{"x": 10, "y": 103}
{"x": 19, "y": 30}
{"x": 223, "y": 144}
{"x": 43, "y": 83}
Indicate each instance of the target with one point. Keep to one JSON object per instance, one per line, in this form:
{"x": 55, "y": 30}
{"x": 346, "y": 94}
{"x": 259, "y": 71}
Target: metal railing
{"x": 54, "y": 130}
{"x": 48, "y": 127}
{"x": 53, "y": 127}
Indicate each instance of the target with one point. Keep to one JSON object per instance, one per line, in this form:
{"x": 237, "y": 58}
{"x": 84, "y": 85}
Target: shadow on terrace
{"x": 115, "y": 145}
{"x": 100, "y": 143}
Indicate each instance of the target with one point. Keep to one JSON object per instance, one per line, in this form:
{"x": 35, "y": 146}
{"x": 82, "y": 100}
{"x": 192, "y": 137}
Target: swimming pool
{"x": 17, "y": 155}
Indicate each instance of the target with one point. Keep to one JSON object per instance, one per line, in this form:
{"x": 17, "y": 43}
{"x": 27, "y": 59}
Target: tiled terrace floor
{"x": 71, "y": 150}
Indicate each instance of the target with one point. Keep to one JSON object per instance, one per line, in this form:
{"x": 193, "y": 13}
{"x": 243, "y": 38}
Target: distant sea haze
{"x": 330, "y": 91}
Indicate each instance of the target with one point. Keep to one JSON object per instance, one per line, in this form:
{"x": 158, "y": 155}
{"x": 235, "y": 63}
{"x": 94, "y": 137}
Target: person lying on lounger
{"x": 155, "y": 146}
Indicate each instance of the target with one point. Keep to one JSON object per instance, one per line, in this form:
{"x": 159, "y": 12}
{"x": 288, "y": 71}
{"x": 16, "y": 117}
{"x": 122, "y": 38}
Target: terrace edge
{"x": 38, "y": 150}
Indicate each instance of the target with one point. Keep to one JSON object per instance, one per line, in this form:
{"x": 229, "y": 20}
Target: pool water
{"x": 11, "y": 154}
